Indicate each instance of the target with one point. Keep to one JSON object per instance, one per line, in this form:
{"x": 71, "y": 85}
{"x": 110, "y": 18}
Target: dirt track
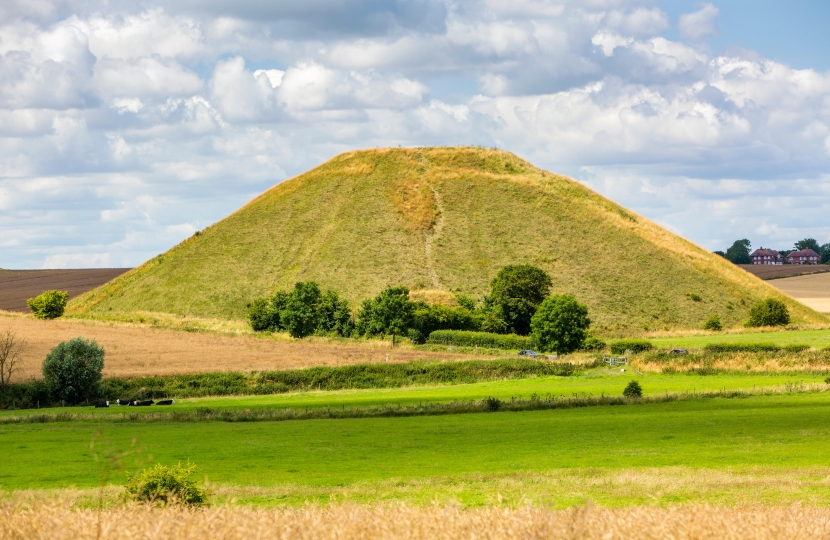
{"x": 16, "y": 286}
{"x": 134, "y": 350}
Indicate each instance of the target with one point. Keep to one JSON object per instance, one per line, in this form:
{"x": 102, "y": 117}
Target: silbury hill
{"x": 441, "y": 219}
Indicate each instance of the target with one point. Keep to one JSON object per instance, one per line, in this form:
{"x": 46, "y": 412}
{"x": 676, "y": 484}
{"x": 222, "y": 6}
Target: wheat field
{"x": 388, "y": 522}
{"x": 135, "y": 350}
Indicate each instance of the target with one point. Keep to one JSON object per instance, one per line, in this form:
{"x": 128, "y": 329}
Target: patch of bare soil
{"x": 16, "y": 286}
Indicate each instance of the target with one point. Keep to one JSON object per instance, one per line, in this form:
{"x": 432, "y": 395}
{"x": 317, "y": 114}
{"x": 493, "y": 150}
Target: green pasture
{"x": 314, "y": 457}
{"x": 592, "y": 383}
{"x": 818, "y": 339}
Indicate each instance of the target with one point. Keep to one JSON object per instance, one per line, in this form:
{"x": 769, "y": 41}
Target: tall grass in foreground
{"x": 438, "y": 523}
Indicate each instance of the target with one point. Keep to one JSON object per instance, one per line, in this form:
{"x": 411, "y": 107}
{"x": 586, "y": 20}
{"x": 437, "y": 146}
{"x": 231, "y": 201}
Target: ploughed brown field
{"x": 136, "y": 350}
{"x": 16, "y": 286}
{"x": 773, "y": 271}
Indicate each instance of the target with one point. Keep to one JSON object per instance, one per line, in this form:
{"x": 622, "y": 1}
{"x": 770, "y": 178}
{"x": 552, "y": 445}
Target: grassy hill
{"x": 440, "y": 219}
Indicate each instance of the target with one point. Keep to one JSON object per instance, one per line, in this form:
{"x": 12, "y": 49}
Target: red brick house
{"x": 804, "y": 256}
{"x": 766, "y": 256}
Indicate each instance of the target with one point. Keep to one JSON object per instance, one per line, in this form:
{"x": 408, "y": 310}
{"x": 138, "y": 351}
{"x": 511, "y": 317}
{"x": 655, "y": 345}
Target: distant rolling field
{"x": 16, "y": 286}
{"x": 812, "y": 290}
{"x": 776, "y": 271}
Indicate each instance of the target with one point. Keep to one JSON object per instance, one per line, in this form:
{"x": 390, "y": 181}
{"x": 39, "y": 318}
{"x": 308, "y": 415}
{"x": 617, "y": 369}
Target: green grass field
{"x": 592, "y": 383}
{"x": 462, "y": 456}
{"x": 442, "y": 219}
{"x": 818, "y": 339}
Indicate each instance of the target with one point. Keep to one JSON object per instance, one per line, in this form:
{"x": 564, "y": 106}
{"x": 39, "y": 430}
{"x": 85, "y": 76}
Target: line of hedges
{"x": 361, "y": 376}
{"x": 463, "y": 338}
{"x": 633, "y": 345}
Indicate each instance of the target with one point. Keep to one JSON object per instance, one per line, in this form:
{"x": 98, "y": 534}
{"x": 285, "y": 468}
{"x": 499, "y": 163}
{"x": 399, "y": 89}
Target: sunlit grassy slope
{"x": 440, "y": 219}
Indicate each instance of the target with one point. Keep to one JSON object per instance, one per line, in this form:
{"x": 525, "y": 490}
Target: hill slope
{"x": 440, "y": 218}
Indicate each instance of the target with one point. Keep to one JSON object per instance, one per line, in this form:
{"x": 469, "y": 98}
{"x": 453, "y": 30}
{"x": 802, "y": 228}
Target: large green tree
{"x": 739, "y": 252}
{"x": 72, "y": 370}
{"x": 808, "y": 243}
{"x": 560, "y": 324}
{"x": 516, "y": 292}
{"x": 825, "y": 254}
{"x": 301, "y": 314}
{"x": 389, "y": 313}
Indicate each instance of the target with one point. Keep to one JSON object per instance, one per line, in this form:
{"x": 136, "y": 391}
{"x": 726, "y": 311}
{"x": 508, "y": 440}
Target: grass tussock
{"x": 436, "y": 523}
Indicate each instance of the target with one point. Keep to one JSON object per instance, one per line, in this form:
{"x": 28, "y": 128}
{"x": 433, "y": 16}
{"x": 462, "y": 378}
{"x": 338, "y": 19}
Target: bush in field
{"x": 426, "y": 319}
{"x": 166, "y": 485}
{"x": 517, "y": 291}
{"x": 48, "y": 305}
{"x": 560, "y": 324}
{"x": 487, "y": 340}
{"x": 416, "y": 336}
{"x": 713, "y": 323}
{"x": 264, "y": 313}
{"x": 769, "y": 312}
{"x": 633, "y": 390}
{"x": 633, "y": 345}
{"x": 335, "y": 315}
{"x": 72, "y": 370}
{"x": 389, "y": 313}
{"x": 301, "y": 314}
{"x": 593, "y": 343}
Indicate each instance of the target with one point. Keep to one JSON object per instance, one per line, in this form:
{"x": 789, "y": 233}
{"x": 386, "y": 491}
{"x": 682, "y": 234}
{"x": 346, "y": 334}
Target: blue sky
{"x": 126, "y": 126}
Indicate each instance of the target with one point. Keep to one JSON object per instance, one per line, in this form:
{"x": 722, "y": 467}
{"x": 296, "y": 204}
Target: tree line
{"x": 740, "y": 250}
{"x": 519, "y": 303}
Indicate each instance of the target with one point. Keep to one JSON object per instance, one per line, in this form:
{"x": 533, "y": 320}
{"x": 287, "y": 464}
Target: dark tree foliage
{"x": 264, "y": 313}
{"x": 633, "y": 390}
{"x": 517, "y": 291}
{"x": 301, "y": 314}
{"x": 335, "y": 315}
{"x": 389, "y": 313}
{"x": 739, "y": 252}
{"x": 808, "y": 243}
{"x": 560, "y": 324}
{"x": 769, "y": 312}
{"x": 72, "y": 370}
{"x": 825, "y": 254}
{"x": 721, "y": 253}
{"x": 426, "y": 319}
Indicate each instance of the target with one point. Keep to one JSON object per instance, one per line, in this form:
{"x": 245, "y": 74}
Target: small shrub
{"x": 827, "y": 380}
{"x": 492, "y": 404}
{"x": 462, "y": 338}
{"x": 796, "y": 348}
{"x": 72, "y": 370}
{"x": 633, "y": 345}
{"x": 633, "y": 390}
{"x": 166, "y": 485}
{"x": 416, "y": 337}
{"x": 694, "y": 297}
{"x": 593, "y": 343}
{"x": 769, "y": 312}
{"x": 48, "y": 305}
{"x": 713, "y": 323}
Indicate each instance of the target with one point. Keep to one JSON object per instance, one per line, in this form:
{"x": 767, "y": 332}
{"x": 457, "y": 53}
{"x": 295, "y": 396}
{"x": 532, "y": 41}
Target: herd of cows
{"x": 133, "y": 403}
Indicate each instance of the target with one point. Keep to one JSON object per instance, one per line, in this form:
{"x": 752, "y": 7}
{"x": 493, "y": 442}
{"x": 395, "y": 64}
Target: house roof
{"x": 761, "y": 252}
{"x": 803, "y": 253}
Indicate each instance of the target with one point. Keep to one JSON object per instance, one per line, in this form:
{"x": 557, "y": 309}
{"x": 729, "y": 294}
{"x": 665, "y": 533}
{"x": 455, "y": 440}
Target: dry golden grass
{"x": 739, "y": 361}
{"x": 136, "y": 349}
{"x": 811, "y": 290}
{"x": 382, "y": 522}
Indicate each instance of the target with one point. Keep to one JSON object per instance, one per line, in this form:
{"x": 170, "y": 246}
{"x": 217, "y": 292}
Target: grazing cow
{"x": 165, "y": 402}
{"x": 102, "y": 404}
{"x": 124, "y": 401}
{"x": 146, "y": 403}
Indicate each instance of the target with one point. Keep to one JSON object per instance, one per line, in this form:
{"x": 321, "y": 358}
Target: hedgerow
{"x": 463, "y": 338}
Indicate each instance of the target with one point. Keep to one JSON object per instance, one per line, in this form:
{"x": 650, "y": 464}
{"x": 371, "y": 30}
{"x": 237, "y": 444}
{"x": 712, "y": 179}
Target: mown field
{"x": 816, "y": 338}
{"x": 421, "y": 459}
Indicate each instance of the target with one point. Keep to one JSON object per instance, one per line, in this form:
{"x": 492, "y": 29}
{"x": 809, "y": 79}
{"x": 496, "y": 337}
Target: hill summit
{"x": 440, "y": 219}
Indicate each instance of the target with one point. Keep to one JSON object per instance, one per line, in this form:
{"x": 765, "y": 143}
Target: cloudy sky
{"x": 126, "y": 125}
